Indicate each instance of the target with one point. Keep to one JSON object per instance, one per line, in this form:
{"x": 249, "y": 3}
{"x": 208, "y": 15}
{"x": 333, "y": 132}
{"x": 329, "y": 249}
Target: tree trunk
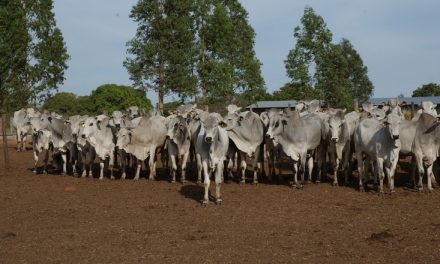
{"x": 5, "y": 142}
{"x": 161, "y": 89}
{"x": 202, "y": 51}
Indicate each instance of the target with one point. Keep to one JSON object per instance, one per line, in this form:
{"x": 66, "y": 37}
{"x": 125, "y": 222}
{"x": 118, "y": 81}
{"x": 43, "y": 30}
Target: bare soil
{"x": 63, "y": 219}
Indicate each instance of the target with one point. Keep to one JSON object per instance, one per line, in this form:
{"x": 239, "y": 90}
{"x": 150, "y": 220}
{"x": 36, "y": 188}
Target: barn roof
{"x": 407, "y": 100}
{"x": 273, "y": 104}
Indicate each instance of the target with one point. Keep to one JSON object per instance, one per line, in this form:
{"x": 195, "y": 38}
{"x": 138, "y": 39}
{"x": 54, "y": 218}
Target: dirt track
{"x": 91, "y": 221}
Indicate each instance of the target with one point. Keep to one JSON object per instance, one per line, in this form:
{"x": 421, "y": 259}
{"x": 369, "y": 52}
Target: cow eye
{"x": 91, "y": 124}
{"x": 277, "y": 123}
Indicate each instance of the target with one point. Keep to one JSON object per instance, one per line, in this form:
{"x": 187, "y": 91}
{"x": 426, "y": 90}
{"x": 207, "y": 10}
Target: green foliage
{"x": 356, "y": 73}
{"x": 32, "y": 52}
{"x": 227, "y": 66}
{"x": 182, "y": 45}
{"x": 163, "y": 52}
{"x": 111, "y": 97}
{"x": 430, "y": 89}
{"x": 295, "y": 91}
{"x": 106, "y": 98}
{"x": 63, "y": 103}
{"x": 320, "y": 69}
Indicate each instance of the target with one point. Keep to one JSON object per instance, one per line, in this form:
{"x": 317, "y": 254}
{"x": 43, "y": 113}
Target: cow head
{"x": 74, "y": 122}
{"x": 123, "y": 138}
{"x": 178, "y": 129}
{"x": 133, "y": 112}
{"x": 90, "y": 126}
{"x": 336, "y": 122}
{"x": 392, "y": 124}
{"x": 276, "y": 125}
{"x": 117, "y": 119}
{"x": 211, "y": 123}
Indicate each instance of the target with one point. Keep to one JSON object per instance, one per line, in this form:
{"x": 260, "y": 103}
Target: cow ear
{"x": 284, "y": 121}
{"x": 222, "y": 124}
{"x": 98, "y": 124}
{"x": 129, "y": 111}
{"x": 50, "y": 119}
{"x": 66, "y": 122}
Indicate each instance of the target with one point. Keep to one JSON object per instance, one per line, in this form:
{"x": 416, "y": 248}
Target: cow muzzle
{"x": 335, "y": 140}
{"x": 395, "y": 137}
{"x": 83, "y": 136}
{"x": 208, "y": 140}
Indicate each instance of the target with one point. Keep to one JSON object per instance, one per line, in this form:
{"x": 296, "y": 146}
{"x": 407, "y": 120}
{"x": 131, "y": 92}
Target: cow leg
{"x": 428, "y": 177}
{"x": 138, "y": 169}
{"x": 206, "y": 181}
{"x": 360, "y": 170}
{"x": 335, "y": 172}
{"x": 295, "y": 173}
{"x": 23, "y": 143}
{"x": 257, "y": 165}
{"x": 83, "y": 164}
{"x": 101, "y": 169}
{"x": 184, "y": 160}
{"x": 230, "y": 168}
{"x": 123, "y": 163}
{"x": 173, "y": 167}
{"x": 111, "y": 163}
{"x": 421, "y": 170}
{"x": 302, "y": 169}
{"x": 152, "y": 163}
{"x": 35, "y": 161}
{"x": 380, "y": 173}
{"x": 18, "y": 140}
{"x": 46, "y": 158}
{"x": 199, "y": 168}
{"x": 218, "y": 182}
{"x": 243, "y": 166}
{"x": 310, "y": 169}
{"x": 346, "y": 162}
{"x": 64, "y": 157}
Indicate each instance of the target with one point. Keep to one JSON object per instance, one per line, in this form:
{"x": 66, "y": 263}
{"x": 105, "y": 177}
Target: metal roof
{"x": 273, "y": 104}
{"x": 407, "y": 100}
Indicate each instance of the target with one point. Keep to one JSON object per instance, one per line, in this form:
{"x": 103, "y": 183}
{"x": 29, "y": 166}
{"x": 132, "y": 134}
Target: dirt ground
{"x": 62, "y": 219}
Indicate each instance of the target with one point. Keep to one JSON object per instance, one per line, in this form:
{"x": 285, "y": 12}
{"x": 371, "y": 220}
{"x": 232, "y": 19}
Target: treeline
{"x": 104, "y": 99}
{"x": 204, "y": 49}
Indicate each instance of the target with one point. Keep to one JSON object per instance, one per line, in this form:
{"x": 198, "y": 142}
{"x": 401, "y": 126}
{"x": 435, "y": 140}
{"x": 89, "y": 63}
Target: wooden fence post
{"x": 5, "y": 141}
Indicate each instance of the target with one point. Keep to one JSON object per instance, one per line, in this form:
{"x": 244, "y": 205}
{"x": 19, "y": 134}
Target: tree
{"x": 356, "y": 73}
{"x": 323, "y": 70}
{"x": 163, "y": 50}
{"x": 312, "y": 40}
{"x": 63, "y": 103}
{"x": 182, "y": 45}
{"x": 111, "y": 97}
{"x": 227, "y": 64}
{"x": 430, "y": 89}
{"x": 29, "y": 28}
{"x": 32, "y": 54}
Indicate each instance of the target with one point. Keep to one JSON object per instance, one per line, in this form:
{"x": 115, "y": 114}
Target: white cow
{"x": 211, "y": 148}
{"x": 178, "y": 143}
{"x": 379, "y": 141}
{"x": 143, "y": 141}
{"x": 100, "y": 137}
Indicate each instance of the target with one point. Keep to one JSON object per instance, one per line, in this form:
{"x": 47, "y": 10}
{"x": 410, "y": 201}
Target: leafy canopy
{"x": 320, "y": 69}
{"x": 430, "y": 89}
{"x": 111, "y": 97}
{"x": 33, "y": 54}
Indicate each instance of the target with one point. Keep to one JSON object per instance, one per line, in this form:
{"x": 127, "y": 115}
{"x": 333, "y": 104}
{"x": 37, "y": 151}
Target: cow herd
{"x": 308, "y": 136}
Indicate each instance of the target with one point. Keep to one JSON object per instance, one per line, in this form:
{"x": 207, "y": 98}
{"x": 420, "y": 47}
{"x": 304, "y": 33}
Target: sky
{"x": 398, "y": 40}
